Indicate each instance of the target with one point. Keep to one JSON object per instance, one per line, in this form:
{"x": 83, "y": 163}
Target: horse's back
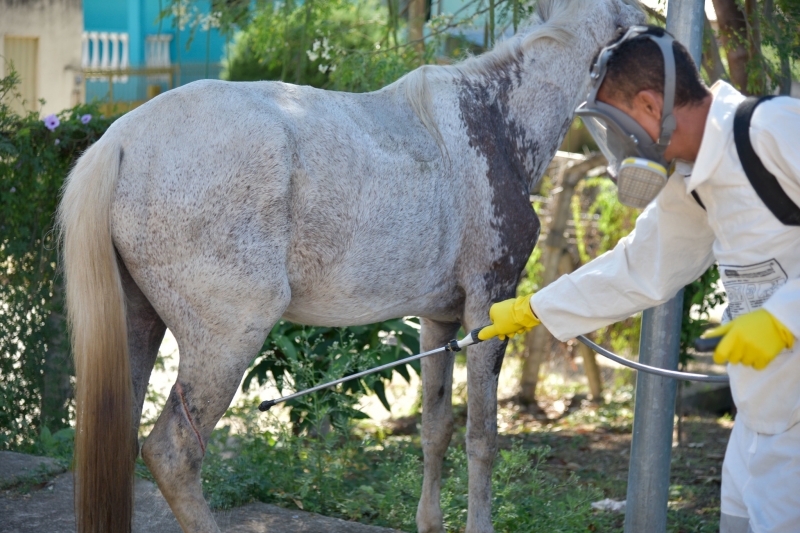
{"x": 325, "y": 191}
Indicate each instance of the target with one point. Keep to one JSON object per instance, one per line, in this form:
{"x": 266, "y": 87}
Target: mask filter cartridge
{"x": 639, "y": 181}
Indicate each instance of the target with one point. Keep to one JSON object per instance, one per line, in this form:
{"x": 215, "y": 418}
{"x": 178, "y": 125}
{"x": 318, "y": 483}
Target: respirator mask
{"x": 635, "y": 162}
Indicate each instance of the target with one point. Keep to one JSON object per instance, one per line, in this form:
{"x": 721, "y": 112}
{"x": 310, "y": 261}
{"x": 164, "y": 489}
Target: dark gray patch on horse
{"x": 498, "y": 358}
{"x": 506, "y": 146}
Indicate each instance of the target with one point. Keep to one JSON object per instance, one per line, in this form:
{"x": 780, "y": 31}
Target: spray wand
{"x": 701, "y": 345}
{"x": 452, "y": 346}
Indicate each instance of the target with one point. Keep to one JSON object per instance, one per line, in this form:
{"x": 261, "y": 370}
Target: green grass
{"x": 379, "y": 483}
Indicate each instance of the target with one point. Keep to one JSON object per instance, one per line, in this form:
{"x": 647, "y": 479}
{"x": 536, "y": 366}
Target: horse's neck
{"x": 523, "y": 110}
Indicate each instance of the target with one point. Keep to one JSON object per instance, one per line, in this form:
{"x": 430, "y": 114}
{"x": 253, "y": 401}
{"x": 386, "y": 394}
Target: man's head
{"x": 647, "y": 106}
{"x": 638, "y": 65}
{"x": 634, "y": 83}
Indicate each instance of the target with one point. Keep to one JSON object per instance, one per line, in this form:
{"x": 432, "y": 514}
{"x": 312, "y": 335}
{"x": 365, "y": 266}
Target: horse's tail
{"x": 104, "y": 441}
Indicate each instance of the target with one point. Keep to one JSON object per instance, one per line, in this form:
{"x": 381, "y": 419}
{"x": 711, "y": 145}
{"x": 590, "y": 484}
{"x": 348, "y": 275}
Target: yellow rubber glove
{"x": 753, "y": 339}
{"x": 509, "y": 318}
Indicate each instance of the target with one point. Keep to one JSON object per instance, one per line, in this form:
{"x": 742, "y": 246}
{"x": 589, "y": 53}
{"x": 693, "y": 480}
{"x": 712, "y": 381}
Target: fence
{"x": 125, "y": 89}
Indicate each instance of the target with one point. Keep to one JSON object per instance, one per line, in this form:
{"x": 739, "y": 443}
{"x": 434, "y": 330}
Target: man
{"x": 648, "y": 108}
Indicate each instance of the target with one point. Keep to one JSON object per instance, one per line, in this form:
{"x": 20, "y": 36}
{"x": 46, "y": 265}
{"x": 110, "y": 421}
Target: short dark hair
{"x": 638, "y": 65}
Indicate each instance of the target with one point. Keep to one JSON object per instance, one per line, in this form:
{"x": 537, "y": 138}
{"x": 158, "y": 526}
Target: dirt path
{"x": 39, "y": 502}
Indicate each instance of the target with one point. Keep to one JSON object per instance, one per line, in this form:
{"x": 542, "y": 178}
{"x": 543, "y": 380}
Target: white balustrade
{"x": 113, "y": 49}
{"x": 110, "y": 51}
{"x": 157, "y": 50}
{"x": 94, "y": 62}
{"x": 123, "y": 62}
{"x": 105, "y": 51}
{"x": 156, "y": 55}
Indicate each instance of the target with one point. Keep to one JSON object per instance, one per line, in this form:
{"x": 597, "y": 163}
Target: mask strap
{"x": 667, "y": 118}
{"x": 598, "y": 72}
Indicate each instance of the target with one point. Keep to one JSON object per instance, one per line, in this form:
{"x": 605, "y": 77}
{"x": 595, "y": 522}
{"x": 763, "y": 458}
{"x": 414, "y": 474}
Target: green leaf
{"x": 380, "y": 391}
{"x": 285, "y": 345}
{"x": 403, "y": 371}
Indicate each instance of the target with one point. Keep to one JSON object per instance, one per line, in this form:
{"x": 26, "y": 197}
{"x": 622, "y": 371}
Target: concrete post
{"x": 651, "y": 446}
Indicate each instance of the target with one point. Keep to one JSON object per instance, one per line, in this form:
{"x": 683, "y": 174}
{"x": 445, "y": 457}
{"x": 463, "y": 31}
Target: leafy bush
{"x": 35, "y": 156}
{"x": 335, "y": 44}
{"x": 309, "y": 356}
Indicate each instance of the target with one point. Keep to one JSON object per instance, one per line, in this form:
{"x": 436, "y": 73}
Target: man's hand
{"x": 510, "y": 318}
{"x": 753, "y": 339}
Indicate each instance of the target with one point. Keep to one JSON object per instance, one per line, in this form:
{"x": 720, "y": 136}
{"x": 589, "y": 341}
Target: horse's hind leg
{"x": 145, "y": 333}
{"x": 223, "y": 330}
{"x": 437, "y": 420}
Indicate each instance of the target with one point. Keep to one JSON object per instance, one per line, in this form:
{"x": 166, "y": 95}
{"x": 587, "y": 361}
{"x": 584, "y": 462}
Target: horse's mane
{"x": 549, "y": 21}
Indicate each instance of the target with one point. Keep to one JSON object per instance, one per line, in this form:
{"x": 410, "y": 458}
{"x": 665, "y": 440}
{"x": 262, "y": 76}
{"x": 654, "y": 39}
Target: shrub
{"x": 35, "y": 156}
{"x": 334, "y": 44}
{"x": 309, "y": 356}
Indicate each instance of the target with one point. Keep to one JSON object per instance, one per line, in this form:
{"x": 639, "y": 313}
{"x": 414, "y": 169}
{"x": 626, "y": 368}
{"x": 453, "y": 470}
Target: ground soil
{"x": 32, "y": 501}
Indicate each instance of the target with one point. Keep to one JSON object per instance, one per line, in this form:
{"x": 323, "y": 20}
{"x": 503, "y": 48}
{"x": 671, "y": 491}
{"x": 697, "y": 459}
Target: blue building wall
{"x": 105, "y": 15}
{"x": 139, "y": 18}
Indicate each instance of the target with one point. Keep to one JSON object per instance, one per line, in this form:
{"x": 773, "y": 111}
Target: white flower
{"x": 323, "y": 68}
{"x": 313, "y": 56}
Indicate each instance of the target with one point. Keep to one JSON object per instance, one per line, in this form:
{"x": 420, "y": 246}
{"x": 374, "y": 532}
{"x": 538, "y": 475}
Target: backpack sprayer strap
{"x": 763, "y": 181}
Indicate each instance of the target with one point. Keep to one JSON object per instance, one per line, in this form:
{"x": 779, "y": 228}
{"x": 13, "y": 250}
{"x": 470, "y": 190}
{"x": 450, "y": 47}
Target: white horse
{"x": 218, "y": 208}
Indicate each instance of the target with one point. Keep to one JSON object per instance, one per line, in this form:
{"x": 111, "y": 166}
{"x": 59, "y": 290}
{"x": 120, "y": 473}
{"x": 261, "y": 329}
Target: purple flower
{"x": 58, "y": 141}
{"x": 86, "y": 118}
{"x": 13, "y": 189}
{"x": 51, "y": 122}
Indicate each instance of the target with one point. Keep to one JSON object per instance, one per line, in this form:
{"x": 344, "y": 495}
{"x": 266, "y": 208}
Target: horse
{"x": 216, "y": 209}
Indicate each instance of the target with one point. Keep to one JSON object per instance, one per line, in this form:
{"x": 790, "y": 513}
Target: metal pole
{"x": 651, "y": 445}
{"x": 685, "y": 22}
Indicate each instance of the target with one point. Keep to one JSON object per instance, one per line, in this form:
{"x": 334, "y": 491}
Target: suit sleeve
{"x": 670, "y": 247}
{"x": 774, "y": 131}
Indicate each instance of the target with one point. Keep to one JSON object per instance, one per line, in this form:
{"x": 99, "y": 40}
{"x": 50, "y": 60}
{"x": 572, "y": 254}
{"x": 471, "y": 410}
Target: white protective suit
{"x": 676, "y": 240}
